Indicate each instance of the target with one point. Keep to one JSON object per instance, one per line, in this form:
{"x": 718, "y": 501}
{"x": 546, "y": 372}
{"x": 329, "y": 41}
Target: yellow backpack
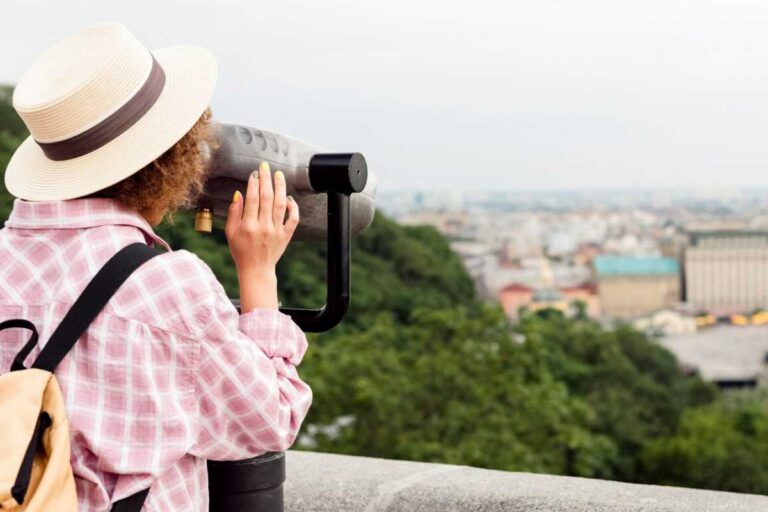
{"x": 35, "y": 472}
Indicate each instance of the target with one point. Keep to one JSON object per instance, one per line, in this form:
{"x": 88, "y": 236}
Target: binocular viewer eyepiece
{"x": 310, "y": 173}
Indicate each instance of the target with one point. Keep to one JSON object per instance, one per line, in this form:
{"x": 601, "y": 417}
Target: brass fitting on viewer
{"x": 204, "y": 220}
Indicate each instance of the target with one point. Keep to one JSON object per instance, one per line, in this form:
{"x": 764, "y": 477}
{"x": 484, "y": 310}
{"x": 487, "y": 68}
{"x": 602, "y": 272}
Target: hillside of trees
{"x": 421, "y": 369}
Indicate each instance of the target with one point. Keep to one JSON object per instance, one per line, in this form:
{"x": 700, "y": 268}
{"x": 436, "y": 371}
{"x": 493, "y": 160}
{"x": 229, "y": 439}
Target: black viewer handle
{"x": 337, "y": 175}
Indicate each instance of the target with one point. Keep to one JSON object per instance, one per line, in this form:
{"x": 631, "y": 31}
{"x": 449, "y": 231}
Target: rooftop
{"x": 723, "y": 353}
{"x": 631, "y": 266}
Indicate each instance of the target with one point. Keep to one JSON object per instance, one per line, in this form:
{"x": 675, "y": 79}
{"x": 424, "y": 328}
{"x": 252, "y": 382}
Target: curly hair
{"x": 173, "y": 180}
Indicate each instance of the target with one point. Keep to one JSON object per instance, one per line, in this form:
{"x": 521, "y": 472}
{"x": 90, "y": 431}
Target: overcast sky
{"x": 473, "y": 94}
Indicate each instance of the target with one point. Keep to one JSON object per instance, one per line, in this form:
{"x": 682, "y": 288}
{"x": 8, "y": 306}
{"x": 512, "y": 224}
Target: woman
{"x": 169, "y": 374}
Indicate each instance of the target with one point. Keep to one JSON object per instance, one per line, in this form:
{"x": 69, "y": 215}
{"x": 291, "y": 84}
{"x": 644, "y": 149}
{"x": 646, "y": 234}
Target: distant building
{"x": 452, "y": 224}
{"x": 587, "y": 252}
{"x": 513, "y": 297}
{"x": 727, "y": 270}
{"x": 666, "y": 322}
{"x": 549, "y": 298}
{"x": 585, "y": 293}
{"x": 630, "y": 287}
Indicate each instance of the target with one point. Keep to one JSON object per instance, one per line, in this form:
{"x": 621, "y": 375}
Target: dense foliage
{"x": 422, "y": 370}
{"x": 723, "y": 445}
{"x": 12, "y": 132}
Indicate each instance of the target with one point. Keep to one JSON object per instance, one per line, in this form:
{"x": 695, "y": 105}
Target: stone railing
{"x": 321, "y": 482}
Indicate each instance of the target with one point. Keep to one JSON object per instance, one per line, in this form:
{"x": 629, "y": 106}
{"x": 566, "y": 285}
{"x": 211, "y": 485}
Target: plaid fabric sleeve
{"x": 249, "y": 394}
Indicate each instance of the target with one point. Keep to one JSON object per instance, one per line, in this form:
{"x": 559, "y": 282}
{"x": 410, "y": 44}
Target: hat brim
{"x": 190, "y": 78}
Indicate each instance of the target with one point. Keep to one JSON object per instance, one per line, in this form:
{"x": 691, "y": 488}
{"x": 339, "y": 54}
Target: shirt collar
{"x": 78, "y": 214}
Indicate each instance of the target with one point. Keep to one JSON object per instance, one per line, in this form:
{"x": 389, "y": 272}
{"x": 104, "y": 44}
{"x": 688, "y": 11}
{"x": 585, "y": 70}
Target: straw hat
{"x": 99, "y": 107}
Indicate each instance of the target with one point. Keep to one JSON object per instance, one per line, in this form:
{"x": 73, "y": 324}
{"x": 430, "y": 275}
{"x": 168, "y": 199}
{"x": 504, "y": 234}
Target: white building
{"x": 727, "y": 270}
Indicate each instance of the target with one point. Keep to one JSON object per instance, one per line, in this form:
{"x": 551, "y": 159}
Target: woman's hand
{"x": 258, "y": 233}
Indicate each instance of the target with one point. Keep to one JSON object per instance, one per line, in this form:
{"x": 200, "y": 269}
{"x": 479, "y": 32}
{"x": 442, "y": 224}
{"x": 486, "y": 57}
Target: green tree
{"x": 722, "y": 446}
{"x": 12, "y": 132}
{"x": 453, "y": 386}
{"x": 633, "y": 385}
{"x": 8, "y": 144}
{"x": 10, "y": 122}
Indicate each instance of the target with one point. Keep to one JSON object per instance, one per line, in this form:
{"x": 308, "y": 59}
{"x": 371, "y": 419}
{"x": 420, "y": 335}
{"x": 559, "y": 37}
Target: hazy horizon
{"x": 697, "y": 188}
{"x": 544, "y": 95}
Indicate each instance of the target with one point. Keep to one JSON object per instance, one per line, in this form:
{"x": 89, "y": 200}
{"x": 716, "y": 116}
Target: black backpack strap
{"x": 132, "y": 503}
{"x": 20, "y": 323}
{"x": 93, "y": 299}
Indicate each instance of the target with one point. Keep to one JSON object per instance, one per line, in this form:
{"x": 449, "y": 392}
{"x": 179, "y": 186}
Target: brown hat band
{"x": 114, "y": 125}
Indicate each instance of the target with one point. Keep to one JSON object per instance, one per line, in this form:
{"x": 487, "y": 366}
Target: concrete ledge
{"x": 321, "y": 482}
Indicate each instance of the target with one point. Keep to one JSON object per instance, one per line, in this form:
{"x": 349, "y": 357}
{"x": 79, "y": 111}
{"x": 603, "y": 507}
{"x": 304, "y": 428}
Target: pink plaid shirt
{"x": 168, "y": 374}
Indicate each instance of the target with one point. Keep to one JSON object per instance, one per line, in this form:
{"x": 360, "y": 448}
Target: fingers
{"x": 234, "y": 214}
{"x": 263, "y": 205}
{"x": 293, "y": 217}
{"x": 278, "y": 211}
{"x": 251, "y": 211}
{"x": 266, "y": 194}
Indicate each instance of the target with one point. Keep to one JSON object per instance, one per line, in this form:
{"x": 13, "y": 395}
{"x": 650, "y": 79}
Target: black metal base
{"x": 251, "y": 485}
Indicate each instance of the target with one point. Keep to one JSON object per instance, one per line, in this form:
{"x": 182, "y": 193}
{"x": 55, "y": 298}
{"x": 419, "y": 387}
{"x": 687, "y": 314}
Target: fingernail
{"x": 290, "y": 198}
{"x": 279, "y": 174}
{"x": 237, "y": 196}
{"x": 264, "y": 166}
{"x": 255, "y": 175}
